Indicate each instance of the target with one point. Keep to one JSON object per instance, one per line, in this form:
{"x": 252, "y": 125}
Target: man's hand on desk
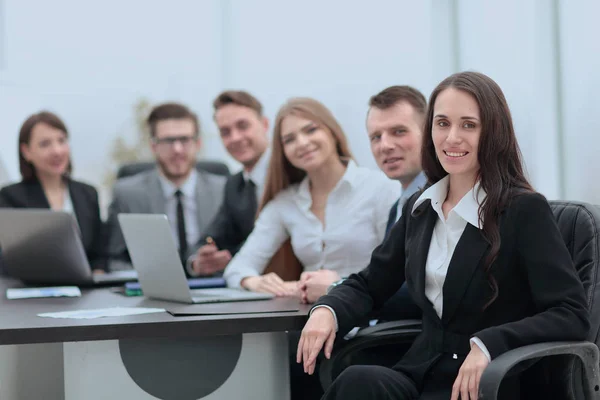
{"x": 209, "y": 260}
{"x": 314, "y": 284}
{"x": 270, "y": 283}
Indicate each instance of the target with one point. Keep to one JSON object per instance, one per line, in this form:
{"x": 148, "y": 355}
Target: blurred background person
{"x": 190, "y": 198}
{"x": 45, "y": 166}
{"x": 395, "y": 127}
{"x": 243, "y": 129}
{"x": 334, "y": 211}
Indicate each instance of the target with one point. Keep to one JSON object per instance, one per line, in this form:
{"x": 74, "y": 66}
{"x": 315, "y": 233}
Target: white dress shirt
{"x": 68, "y": 206}
{"x": 446, "y": 234}
{"x": 445, "y": 237}
{"x": 188, "y": 200}
{"x": 355, "y": 219}
{"x": 68, "y": 203}
{"x": 258, "y": 174}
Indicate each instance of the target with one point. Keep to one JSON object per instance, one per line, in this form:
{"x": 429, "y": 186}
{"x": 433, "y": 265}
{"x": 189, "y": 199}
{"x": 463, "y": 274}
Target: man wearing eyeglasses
{"x": 190, "y": 198}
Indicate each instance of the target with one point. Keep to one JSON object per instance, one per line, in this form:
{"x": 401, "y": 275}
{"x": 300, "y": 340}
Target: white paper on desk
{"x": 102, "y": 312}
{"x": 31, "y": 293}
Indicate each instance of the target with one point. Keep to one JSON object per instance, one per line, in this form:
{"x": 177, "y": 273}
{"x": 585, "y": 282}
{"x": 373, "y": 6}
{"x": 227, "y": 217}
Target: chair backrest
{"x": 579, "y": 225}
{"x": 285, "y": 263}
{"x": 214, "y": 167}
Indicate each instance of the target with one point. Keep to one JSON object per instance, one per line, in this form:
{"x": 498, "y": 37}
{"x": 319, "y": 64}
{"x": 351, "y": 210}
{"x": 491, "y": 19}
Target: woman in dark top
{"x": 481, "y": 254}
{"x": 45, "y": 165}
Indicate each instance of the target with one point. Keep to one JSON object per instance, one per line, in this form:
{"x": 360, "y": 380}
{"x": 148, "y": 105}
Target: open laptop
{"x": 155, "y": 257}
{"x": 44, "y": 247}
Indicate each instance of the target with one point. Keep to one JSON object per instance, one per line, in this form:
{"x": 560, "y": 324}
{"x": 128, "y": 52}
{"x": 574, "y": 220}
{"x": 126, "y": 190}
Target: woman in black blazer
{"x": 481, "y": 254}
{"x": 45, "y": 165}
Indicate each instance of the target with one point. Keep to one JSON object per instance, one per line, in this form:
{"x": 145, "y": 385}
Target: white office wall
{"x": 337, "y": 51}
{"x": 512, "y": 43}
{"x": 581, "y": 87}
{"x": 91, "y": 61}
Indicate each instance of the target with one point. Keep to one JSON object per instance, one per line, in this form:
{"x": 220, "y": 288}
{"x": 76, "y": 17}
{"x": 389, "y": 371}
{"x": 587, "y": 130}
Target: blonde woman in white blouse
{"x": 333, "y": 211}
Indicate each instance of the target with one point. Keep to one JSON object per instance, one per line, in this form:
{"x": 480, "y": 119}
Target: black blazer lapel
{"x": 465, "y": 260}
{"x": 418, "y": 240}
{"x": 36, "y": 196}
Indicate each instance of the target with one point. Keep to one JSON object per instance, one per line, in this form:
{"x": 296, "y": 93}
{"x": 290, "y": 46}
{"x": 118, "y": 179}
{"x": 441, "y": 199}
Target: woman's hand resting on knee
{"x": 318, "y": 331}
{"x": 466, "y": 385}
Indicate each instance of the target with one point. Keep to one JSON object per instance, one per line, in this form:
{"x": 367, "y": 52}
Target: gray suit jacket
{"x": 142, "y": 193}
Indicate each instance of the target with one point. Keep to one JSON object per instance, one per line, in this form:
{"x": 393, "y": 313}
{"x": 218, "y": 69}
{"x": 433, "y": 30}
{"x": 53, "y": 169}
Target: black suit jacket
{"x": 235, "y": 219}
{"x": 540, "y": 296}
{"x": 30, "y": 194}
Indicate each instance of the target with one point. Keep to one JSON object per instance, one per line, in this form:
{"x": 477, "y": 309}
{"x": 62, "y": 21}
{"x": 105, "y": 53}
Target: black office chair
{"x": 573, "y": 373}
{"x": 214, "y": 167}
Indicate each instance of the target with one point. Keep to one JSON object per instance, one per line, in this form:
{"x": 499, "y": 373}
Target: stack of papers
{"x": 31, "y": 293}
{"x": 102, "y": 312}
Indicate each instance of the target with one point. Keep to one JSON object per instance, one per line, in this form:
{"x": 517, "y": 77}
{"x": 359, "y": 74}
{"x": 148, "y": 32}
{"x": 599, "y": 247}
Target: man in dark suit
{"x": 190, "y": 198}
{"x": 244, "y": 132}
{"x": 395, "y": 128}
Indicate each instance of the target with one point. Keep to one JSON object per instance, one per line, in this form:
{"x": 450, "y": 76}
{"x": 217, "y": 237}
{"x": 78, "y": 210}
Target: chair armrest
{"x": 375, "y": 339}
{"x": 391, "y": 325}
{"x": 499, "y": 367}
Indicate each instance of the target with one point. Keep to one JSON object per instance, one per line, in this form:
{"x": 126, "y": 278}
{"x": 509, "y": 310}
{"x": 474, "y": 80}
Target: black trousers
{"x": 308, "y": 387}
{"x": 372, "y": 382}
{"x": 302, "y": 385}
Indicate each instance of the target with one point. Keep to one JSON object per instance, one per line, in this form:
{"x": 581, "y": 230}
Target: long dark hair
{"x": 501, "y": 173}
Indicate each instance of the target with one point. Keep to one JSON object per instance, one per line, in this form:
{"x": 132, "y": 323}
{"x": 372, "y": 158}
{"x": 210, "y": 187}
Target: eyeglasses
{"x": 170, "y": 141}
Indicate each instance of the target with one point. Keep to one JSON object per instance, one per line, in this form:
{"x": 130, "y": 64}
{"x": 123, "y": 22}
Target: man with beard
{"x": 190, "y": 198}
{"x": 244, "y": 132}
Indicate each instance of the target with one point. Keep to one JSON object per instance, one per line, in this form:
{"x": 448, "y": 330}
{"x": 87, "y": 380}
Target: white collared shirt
{"x": 258, "y": 174}
{"x": 446, "y": 234}
{"x": 188, "y": 200}
{"x": 355, "y": 219}
{"x": 68, "y": 203}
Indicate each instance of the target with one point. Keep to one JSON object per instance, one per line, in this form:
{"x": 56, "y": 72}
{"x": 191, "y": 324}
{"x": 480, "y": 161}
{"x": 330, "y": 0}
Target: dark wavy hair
{"x": 501, "y": 173}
